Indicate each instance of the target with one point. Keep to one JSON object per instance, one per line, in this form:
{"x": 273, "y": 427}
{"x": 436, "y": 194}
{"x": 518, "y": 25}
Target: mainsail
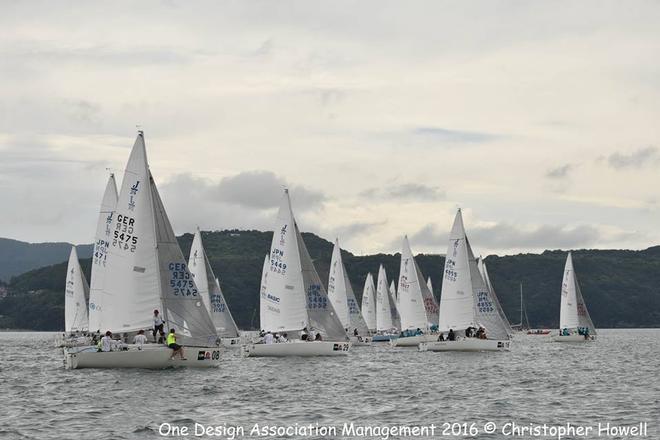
{"x": 417, "y": 305}
{"x": 99, "y": 257}
{"x": 573, "y": 312}
{"x": 464, "y": 301}
{"x": 295, "y": 297}
{"x": 75, "y": 296}
{"x": 385, "y": 307}
{"x": 145, "y": 268}
{"x": 209, "y": 289}
{"x": 369, "y": 302}
{"x": 342, "y": 296}
{"x": 481, "y": 264}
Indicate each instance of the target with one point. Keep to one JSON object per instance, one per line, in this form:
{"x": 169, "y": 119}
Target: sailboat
{"x": 483, "y": 270}
{"x": 76, "y": 318}
{"x": 369, "y": 303}
{"x": 102, "y": 239}
{"x": 294, "y": 298}
{"x": 417, "y": 306}
{"x": 145, "y": 270}
{"x": 211, "y": 293}
{"x": 575, "y": 324}
{"x": 386, "y": 313}
{"x": 343, "y": 300}
{"x": 465, "y": 301}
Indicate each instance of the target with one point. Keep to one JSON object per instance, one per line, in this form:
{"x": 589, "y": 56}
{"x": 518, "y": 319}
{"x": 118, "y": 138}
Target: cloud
{"x": 446, "y": 136}
{"x": 559, "y": 172}
{"x": 637, "y": 159}
{"x": 406, "y": 191}
{"x": 510, "y": 236}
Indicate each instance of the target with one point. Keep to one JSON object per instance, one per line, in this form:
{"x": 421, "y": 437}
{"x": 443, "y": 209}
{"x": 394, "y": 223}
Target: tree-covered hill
{"x": 621, "y": 287}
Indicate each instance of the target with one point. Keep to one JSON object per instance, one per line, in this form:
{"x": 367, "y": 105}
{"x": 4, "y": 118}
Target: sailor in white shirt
{"x": 106, "y": 341}
{"x": 140, "y": 339}
{"x": 268, "y": 339}
{"x": 158, "y": 327}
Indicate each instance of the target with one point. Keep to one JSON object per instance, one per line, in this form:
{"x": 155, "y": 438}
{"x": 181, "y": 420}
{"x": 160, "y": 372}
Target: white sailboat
{"x": 575, "y": 324}
{"x": 145, "y": 270}
{"x": 483, "y": 270}
{"x": 295, "y": 299}
{"x": 465, "y": 301}
{"x": 76, "y": 292}
{"x": 343, "y": 300}
{"x": 211, "y": 293}
{"x": 386, "y": 313}
{"x": 417, "y": 306}
{"x": 99, "y": 257}
{"x": 369, "y": 303}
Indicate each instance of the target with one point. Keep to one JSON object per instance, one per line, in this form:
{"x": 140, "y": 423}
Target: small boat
{"x": 538, "y": 332}
{"x": 343, "y": 300}
{"x": 211, "y": 293}
{"x": 417, "y": 306}
{"x": 143, "y": 270}
{"x": 466, "y": 301}
{"x": 76, "y": 318}
{"x": 293, "y": 299}
{"x": 575, "y": 324}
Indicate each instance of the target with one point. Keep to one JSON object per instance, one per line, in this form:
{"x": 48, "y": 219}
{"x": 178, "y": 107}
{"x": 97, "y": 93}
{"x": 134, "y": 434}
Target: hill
{"x": 621, "y": 287}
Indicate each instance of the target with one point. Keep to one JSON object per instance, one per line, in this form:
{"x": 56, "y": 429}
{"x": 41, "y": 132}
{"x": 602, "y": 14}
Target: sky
{"x": 538, "y": 119}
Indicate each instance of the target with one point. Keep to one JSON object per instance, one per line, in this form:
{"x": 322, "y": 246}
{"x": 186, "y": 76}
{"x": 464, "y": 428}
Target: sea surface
{"x": 614, "y": 380}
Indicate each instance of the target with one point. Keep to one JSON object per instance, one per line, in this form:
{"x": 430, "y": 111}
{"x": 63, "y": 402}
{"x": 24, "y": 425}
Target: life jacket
{"x": 171, "y": 339}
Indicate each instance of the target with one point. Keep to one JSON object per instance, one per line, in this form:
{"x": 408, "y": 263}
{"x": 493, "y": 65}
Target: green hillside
{"x": 622, "y": 288}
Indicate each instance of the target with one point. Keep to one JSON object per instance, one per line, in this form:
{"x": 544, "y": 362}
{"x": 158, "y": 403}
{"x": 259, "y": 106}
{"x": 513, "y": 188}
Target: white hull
{"x": 573, "y": 338}
{"x": 466, "y": 344}
{"x": 152, "y": 356}
{"x": 413, "y": 341}
{"x": 384, "y": 337}
{"x": 316, "y": 348}
{"x": 360, "y": 341}
{"x": 231, "y": 342}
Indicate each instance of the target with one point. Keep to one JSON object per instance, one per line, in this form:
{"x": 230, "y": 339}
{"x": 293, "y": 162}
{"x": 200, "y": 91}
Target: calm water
{"x": 613, "y": 380}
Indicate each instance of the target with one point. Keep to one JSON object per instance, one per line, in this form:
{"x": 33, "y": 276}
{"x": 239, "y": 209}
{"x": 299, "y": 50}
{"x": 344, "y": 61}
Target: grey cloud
{"x": 559, "y": 172}
{"x": 509, "y": 236}
{"x": 636, "y": 159}
{"x": 447, "y": 136}
{"x": 406, "y": 191}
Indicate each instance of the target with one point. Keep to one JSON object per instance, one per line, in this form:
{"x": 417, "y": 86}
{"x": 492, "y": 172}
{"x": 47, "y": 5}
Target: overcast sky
{"x": 539, "y": 119}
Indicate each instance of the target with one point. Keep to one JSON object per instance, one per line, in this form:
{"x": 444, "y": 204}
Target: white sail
{"x": 417, "y": 307}
{"x": 145, "y": 269}
{"x": 342, "y": 296}
{"x": 99, "y": 257}
{"x": 465, "y": 301}
{"x": 394, "y": 306}
{"x": 483, "y": 269}
{"x": 263, "y": 302}
{"x": 369, "y": 303}
{"x": 209, "y": 289}
{"x": 75, "y": 296}
{"x": 573, "y": 312}
{"x": 384, "y": 305}
{"x": 429, "y": 284}
{"x": 295, "y": 297}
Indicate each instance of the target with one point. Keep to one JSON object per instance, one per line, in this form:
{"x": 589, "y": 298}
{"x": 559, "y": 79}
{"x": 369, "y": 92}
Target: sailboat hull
{"x": 149, "y": 357}
{"x": 467, "y": 344}
{"x": 573, "y": 338}
{"x": 384, "y": 337}
{"x": 413, "y": 341}
{"x": 297, "y": 348}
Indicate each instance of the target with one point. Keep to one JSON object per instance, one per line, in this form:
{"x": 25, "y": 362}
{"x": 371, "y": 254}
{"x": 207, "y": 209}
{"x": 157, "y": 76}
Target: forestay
{"x": 369, "y": 303}
{"x": 145, "y": 269}
{"x": 75, "y": 296}
{"x": 99, "y": 257}
{"x": 209, "y": 289}
{"x": 573, "y": 312}
{"x": 417, "y": 307}
{"x": 342, "y": 296}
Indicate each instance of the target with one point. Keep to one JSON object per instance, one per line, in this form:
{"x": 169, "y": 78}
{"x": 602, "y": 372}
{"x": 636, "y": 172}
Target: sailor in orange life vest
{"x": 176, "y": 348}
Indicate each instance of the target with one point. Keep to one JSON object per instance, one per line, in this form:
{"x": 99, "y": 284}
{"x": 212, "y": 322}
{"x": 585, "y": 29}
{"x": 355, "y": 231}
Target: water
{"x": 613, "y": 380}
